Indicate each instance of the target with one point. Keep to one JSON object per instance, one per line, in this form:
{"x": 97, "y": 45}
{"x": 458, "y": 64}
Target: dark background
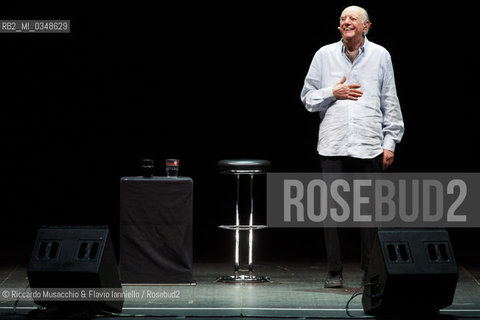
{"x": 203, "y": 83}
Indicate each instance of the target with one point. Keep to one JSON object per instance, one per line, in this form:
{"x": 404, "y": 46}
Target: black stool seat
{"x": 244, "y": 166}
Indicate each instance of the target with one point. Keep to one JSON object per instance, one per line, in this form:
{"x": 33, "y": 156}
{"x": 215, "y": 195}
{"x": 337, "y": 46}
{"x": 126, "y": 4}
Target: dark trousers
{"x": 333, "y": 236}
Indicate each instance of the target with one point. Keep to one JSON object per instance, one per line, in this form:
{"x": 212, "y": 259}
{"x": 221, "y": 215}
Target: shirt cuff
{"x": 388, "y": 143}
{"x": 327, "y": 94}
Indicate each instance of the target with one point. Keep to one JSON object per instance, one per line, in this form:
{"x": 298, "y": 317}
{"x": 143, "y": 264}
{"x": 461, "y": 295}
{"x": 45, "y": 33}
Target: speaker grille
{"x": 48, "y": 250}
{"x": 87, "y": 250}
{"x": 438, "y": 252}
{"x": 398, "y": 252}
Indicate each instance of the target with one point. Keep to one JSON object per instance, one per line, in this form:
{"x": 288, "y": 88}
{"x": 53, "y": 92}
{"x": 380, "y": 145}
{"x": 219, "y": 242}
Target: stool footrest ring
{"x": 243, "y": 227}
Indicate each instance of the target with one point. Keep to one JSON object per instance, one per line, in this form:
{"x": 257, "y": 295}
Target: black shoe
{"x": 333, "y": 281}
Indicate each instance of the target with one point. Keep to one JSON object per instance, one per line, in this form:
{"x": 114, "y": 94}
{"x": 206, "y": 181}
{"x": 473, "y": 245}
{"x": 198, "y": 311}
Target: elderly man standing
{"x": 351, "y": 85}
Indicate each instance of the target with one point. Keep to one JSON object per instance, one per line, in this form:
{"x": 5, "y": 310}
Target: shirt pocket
{"x": 371, "y": 87}
{"x": 371, "y": 83}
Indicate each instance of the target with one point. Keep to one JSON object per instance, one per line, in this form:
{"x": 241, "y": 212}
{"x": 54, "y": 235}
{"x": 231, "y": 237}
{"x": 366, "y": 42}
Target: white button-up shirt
{"x": 362, "y": 128}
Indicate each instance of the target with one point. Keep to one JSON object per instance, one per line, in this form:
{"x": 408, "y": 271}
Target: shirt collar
{"x": 366, "y": 43}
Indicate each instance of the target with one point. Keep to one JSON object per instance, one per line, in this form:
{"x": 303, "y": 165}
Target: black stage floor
{"x": 296, "y": 291}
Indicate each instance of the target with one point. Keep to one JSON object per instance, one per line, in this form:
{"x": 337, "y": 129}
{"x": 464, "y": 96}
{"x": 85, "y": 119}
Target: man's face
{"x": 352, "y": 24}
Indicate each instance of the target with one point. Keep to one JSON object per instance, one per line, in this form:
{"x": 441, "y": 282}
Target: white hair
{"x": 364, "y": 14}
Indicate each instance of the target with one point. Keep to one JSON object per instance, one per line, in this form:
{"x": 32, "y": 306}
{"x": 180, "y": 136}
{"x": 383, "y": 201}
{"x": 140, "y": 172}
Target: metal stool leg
{"x": 237, "y": 232}
{"x": 250, "y": 231}
{"x": 237, "y": 277}
{"x": 251, "y": 276}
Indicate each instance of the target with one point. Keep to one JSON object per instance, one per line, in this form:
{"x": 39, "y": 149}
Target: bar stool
{"x": 240, "y": 167}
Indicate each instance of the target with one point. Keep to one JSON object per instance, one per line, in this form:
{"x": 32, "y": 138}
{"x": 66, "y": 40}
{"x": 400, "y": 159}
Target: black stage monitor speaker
{"x": 410, "y": 271}
{"x": 75, "y": 257}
